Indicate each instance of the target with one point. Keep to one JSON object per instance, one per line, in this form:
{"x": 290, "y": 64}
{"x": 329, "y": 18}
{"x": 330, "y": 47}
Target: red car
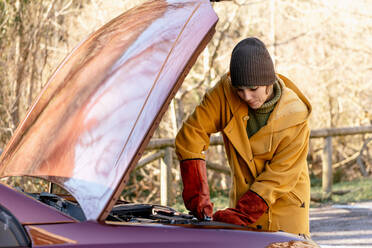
{"x": 88, "y": 129}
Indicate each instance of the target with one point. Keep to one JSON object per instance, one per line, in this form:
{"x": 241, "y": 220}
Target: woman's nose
{"x": 247, "y": 95}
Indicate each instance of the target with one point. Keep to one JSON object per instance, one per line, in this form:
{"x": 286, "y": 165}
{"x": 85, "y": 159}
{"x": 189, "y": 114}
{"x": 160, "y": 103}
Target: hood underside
{"x": 91, "y": 122}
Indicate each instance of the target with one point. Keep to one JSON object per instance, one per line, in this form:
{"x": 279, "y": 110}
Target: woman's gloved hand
{"x": 248, "y": 210}
{"x": 195, "y": 188}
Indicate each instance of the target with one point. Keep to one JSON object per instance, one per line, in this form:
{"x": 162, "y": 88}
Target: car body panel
{"x": 156, "y": 235}
{"x": 97, "y": 112}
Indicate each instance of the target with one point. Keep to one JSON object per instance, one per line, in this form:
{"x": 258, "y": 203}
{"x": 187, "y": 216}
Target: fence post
{"x": 168, "y": 159}
{"x": 327, "y": 177}
{"x": 166, "y": 177}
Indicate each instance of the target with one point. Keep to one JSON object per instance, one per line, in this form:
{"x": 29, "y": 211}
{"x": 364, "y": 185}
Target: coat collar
{"x": 288, "y": 105}
{"x": 292, "y": 108}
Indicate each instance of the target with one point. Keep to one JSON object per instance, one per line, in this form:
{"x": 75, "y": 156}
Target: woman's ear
{"x": 269, "y": 89}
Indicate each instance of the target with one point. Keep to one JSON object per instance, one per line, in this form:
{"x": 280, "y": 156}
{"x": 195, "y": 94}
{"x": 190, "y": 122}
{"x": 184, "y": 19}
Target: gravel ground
{"x": 342, "y": 225}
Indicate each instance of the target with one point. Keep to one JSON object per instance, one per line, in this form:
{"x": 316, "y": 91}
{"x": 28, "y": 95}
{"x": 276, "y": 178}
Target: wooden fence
{"x": 327, "y": 164}
{"x": 165, "y": 155}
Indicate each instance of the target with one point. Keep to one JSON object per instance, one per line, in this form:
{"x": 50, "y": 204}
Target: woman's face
{"x": 254, "y": 97}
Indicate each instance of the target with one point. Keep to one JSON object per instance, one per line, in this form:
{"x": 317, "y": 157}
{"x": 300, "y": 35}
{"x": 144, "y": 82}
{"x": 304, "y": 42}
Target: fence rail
{"x": 166, "y": 144}
{"x": 343, "y": 131}
{"x": 319, "y": 133}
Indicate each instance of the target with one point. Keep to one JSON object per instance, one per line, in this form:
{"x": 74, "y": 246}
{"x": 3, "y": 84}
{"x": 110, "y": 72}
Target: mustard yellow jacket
{"x": 271, "y": 163}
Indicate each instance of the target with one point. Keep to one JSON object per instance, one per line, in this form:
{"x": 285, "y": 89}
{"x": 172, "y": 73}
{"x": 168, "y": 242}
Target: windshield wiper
{"x": 70, "y": 208}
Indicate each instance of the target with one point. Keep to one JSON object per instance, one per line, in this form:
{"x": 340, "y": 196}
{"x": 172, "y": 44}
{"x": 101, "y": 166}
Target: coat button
{"x": 245, "y": 118}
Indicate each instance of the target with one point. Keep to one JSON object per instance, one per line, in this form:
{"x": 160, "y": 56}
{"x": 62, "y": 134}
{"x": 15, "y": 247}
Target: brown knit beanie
{"x": 251, "y": 64}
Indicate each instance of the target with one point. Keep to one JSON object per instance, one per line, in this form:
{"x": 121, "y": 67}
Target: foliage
{"x": 220, "y": 200}
{"x": 30, "y": 33}
{"x": 27, "y": 184}
{"x": 143, "y": 185}
{"x": 347, "y": 192}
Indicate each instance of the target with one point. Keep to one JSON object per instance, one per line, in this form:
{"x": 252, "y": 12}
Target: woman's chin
{"x": 254, "y": 106}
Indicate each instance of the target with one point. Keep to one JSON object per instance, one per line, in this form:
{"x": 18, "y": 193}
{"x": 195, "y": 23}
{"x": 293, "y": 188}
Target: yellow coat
{"x": 272, "y": 162}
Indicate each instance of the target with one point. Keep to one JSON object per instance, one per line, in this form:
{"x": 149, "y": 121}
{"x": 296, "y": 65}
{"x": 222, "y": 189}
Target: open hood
{"x": 91, "y": 122}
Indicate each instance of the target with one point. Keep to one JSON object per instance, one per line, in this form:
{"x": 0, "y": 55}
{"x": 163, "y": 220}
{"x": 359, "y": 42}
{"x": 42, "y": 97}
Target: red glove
{"x": 195, "y": 188}
{"x": 248, "y": 210}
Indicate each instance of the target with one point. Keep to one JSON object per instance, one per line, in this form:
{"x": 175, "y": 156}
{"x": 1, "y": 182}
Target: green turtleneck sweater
{"x": 258, "y": 117}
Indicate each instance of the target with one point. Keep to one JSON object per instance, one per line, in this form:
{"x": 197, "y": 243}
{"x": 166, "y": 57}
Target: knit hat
{"x": 251, "y": 64}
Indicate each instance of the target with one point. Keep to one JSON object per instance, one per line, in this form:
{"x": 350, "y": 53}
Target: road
{"x": 342, "y": 225}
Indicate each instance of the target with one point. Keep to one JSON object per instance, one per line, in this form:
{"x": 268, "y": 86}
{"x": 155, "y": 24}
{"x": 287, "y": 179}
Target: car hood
{"x": 94, "y": 117}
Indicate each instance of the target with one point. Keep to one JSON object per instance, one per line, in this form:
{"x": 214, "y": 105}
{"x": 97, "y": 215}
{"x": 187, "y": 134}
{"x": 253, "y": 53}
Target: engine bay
{"x": 150, "y": 213}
